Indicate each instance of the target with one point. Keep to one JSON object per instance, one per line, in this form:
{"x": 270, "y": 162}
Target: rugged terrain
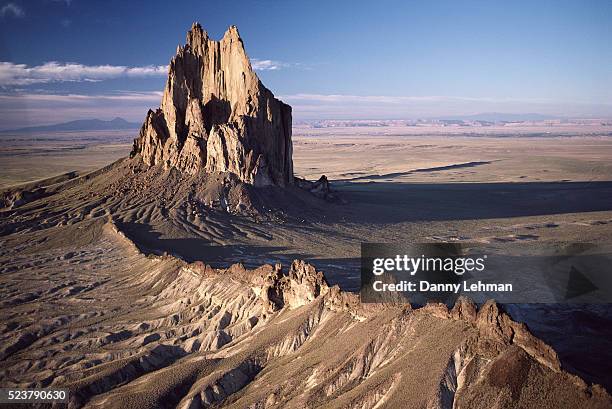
{"x": 83, "y": 308}
{"x": 119, "y": 285}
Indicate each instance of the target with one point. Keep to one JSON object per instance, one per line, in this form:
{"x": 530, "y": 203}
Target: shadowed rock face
{"x": 216, "y": 116}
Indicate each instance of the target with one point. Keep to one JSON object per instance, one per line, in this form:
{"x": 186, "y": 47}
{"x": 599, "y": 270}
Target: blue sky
{"x": 69, "y": 59}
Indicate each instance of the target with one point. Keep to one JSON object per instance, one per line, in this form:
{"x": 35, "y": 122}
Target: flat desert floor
{"x": 28, "y": 157}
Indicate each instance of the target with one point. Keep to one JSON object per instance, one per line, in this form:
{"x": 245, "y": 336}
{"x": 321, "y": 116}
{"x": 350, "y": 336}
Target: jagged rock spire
{"x": 216, "y": 116}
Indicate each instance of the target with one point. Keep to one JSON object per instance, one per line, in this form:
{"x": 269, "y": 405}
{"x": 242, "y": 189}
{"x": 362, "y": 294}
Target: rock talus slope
{"x": 217, "y": 116}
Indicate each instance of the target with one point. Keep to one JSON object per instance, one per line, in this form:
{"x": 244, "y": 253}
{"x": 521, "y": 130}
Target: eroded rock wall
{"x": 217, "y": 116}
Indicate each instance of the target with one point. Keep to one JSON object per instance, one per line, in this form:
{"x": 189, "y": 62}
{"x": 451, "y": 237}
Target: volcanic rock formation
{"x": 216, "y": 116}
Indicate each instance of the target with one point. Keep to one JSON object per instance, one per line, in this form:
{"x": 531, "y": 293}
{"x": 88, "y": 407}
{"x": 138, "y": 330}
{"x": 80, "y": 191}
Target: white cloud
{"x": 12, "y": 74}
{"x": 11, "y": 9}
{"x": 30, "y": 98}
{"x": 267, "y": 65}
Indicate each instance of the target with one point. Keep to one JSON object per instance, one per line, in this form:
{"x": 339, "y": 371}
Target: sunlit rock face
{"x": 216, "y": 116}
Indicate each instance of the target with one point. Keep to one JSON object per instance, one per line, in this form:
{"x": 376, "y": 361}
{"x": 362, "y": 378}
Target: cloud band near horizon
{"x": 31, "y": 109}
{"x": 12, "y": 74}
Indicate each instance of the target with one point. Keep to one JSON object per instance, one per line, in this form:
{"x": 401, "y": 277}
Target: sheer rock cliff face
{"x": 216, "y": 116}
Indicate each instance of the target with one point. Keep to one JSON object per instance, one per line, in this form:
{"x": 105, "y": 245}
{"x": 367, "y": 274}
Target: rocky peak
{"x": 216, "y": 116}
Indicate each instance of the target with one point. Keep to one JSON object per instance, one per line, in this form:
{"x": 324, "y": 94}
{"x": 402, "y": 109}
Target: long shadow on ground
{"x": 395, "y": 202}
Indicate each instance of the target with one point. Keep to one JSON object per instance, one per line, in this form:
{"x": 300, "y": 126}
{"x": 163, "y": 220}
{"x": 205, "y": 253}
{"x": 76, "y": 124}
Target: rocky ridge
{"x": 178, "y": 334}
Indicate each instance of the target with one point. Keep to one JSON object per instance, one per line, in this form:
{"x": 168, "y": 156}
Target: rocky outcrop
{"x": 217, "y": 116}
{"x": 300, "y": 286}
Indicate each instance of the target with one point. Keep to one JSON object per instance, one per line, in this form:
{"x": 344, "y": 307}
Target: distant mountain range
{"x": 499, "y": 117}
{"x": 120, "y": 123}
{"x": 80, "y": 125}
